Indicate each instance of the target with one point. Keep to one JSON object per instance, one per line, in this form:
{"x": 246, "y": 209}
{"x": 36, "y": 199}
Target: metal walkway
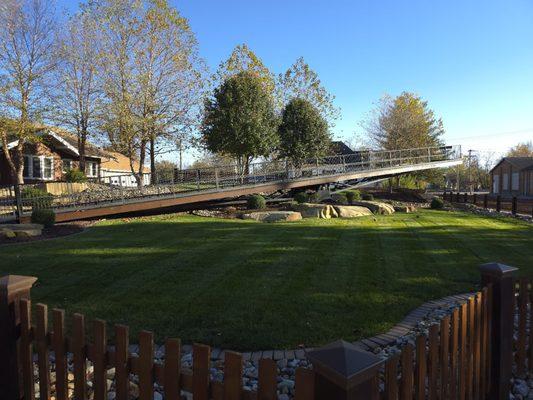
{"x": 118, "y": 195}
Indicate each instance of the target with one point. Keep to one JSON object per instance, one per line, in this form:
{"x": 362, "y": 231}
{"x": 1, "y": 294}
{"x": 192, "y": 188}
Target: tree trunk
{"x": 142, "y": 156}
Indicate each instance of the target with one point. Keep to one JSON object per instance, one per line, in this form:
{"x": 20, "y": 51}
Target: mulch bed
{"x": 58, "y": 230}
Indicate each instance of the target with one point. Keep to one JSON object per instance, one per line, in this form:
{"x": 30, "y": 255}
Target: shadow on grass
{"x": 245, "y": 285}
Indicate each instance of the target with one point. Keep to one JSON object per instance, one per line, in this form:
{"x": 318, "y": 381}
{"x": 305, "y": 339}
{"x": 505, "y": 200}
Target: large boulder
{"x": 324, "y": 211}
{"x": 273, "y": 216}
{"x": 352, "y": 211}
{"x": 7, "y": 233}
{"x": 376, "y": 207}
{"x": 405, "y": 208}
{"x": 23, "y": 230}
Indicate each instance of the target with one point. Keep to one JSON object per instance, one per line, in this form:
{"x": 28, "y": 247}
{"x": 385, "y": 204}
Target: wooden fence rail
{"x": 467, "y": 356}
{"x": 499, "y": 203}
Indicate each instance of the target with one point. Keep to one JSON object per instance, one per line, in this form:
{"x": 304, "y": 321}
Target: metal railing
{"x": 119, "y": 188}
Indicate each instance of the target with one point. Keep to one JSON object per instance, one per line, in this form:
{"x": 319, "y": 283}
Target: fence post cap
{"x": 497, "y": 270}
{"x": 15, "y": 283}
{"x": 344, "y": 364}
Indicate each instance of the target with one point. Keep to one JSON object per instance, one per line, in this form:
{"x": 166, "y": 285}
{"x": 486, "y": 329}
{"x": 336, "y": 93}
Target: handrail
{"x": 120, "y": 189}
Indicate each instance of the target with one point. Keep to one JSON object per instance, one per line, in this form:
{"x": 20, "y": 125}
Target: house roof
{"x": 119, "y": 162}
{"x": 340, "y": 148}
{"x": 519, "y": 162}
{"x": 70, "y": 141}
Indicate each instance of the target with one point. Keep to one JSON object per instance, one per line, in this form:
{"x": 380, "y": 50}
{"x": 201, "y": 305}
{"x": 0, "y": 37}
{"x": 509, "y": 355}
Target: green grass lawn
{"x": 247, "y": 285}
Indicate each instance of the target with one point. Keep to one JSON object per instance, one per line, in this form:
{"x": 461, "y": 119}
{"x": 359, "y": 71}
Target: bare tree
{"x": 78, "y": 95}
{"x": 26, "y": 62}
{"x": 153, "y": 77}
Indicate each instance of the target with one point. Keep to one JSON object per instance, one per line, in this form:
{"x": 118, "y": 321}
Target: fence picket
{"x": 407, "y": 382}
{"x": 60, "y": 353}
{"x": 26, "y": 352}
{"x": 100, "y": 372}
{"x": 454, "y": 349}
{"x": 421, "y": 367}
{"x": 444, "y": 356}
{"x": 391, "y": 378}
{"x": 470, "y": 348}
{"x": 477, "y": 346}
{"x": 463, "y": 352}
{"x": 232, "y": 375}
{"x": 522, "y": 321}
{"x": 268, "y": 372}
{"x": 488, "y": 360}
{"x": 172, "y": 369}
{"x": 200, "y": 375}
{"x": 304, "y": 384}
{"x": 530, "y": 353}
{"x": 121, "y": 362}
{"x": 483, "y": 351}
{"x": 79, "y": 357}
{"x": 146, "y": 365}
{"x": 43, "y": 355}
{"x": 433, "y": 364}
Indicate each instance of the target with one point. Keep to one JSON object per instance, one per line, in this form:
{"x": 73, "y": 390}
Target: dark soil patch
{"x": 58, "y": 230}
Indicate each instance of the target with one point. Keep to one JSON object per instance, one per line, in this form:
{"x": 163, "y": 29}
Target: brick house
{"x": 513, "y": 176}
{"x": 48, "y": 159}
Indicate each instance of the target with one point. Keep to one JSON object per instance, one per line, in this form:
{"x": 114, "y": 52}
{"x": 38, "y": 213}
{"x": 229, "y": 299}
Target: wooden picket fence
{"x": 523, "y": 338}
{"x": 169, "y": 375}
{"x": 451, "y": 362}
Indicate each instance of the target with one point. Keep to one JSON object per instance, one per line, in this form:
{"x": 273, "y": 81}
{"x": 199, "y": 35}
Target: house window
{"x": 505, "y": 183}
{"x": 67, "y": 165}
{"x": 515, "y": 181}
{"x": 496, "y": 184}
{"x": 38, "y": 167}
{"x": 91, "y": 169}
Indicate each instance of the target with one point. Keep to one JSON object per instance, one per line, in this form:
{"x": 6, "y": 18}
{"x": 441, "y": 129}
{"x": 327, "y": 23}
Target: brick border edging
{"x": 367, "y": 344}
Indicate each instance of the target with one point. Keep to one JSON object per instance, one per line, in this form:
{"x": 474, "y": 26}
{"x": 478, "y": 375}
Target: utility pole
{"x": 470, "y": 186}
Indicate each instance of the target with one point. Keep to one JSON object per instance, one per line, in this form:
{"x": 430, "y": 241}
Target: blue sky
{"x": 472, "y": 60}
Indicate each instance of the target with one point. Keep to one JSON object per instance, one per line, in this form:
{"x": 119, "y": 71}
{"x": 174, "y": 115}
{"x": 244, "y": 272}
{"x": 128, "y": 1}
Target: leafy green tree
{"x": 300, "y": 81}
{"x": 403, "y": 122}
{"x": 303, "y": 132}
{"x": 240, "y": 120}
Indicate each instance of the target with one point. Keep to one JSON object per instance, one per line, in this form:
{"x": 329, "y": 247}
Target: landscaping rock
{"x": 352, "y": 211}
{"x": 273, "y": 216}
{"x": 376, "y": 207}
{"x": 23, "y": 229}
{"x": 307, "y": 210}
{"x": 7, "y": 233}
{"x": 405, "y": 208}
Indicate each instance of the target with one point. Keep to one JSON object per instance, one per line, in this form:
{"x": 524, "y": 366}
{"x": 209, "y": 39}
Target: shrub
{"x": 353, "y": 195}
{"x": 367, "y": 196}
{"x": 313, "y": 197}
{"x": 301, "y": 197}
{"x": 75, "y": 176}
{"x": 341, "y": 198}
{"x": 44, "y": 217}
{"x": 437, "y": 203}
{"x": 256, "y": 202}
{"x": 36, "y": 198}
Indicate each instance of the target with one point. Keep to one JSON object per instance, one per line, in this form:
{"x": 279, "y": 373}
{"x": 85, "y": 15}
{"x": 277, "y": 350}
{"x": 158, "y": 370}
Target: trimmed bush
{"x": 75, "y": 176}
{"x": 44, "y": 217}
{"x": 36, "y": 198}
{"x": 341, "y": 198}
{"x": 437, "y": 203}
{"x": 256, "y": 202}
{"x": 301, "y": 197}
{"x": 367, "y": 196}
{"x": 353, "y": 195}
{"x": 313, "y": 197}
